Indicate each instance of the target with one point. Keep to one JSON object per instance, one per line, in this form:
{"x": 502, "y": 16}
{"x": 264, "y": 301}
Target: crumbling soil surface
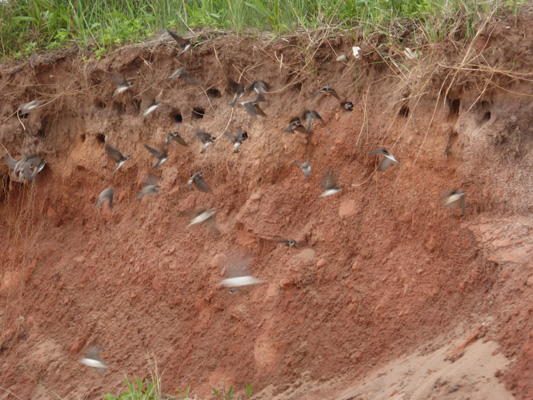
{"x": 380, "y": 272}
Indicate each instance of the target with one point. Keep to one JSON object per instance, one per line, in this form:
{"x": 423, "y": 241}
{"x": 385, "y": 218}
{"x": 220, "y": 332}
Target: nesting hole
{"x": 455, "y": 105}
{"x": 100, "y": 138}
{"x": 100, "y": 104}
{"x": 214, "y": 93}
{"x": 404, "y": 111}
{"x": 82, "y": 137}
{"x": 198, "y": 113}
{"x": 486, "y": 117}
{"x": 176, "y": 117}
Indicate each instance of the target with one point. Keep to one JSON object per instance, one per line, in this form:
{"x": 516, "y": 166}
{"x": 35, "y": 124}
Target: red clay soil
{"x": 382, "y": 268}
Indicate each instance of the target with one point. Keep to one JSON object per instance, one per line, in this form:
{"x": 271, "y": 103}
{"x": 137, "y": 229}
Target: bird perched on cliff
{"x": 25, "y": 109}
{"x": 290, "y": 242}
{"x": 237, "y": 89}
{"x": 309, "y": 116}
{"x": 329, "y": 183}
{"x": 148, "y": 103}
{"x": 206, "y": 139}
{"x": 121, "y": 82}
{"x": 453, "y": 198}
{"x": 183, "y": 44}
{"x": 347, "y": 105}
{"x": 295, "y": 125}
{"x": 198, "y": 181}
{"x": 150, "y": 188}
{"x": 306, "y": 168}
{"x": 327, "y": 90}
{"x": 161, "y": 155}
{"x": 259, "y": 87}
{"x": 177, "y": 137}
{"x": 107, "y": 194}
{"x": 237, "y": 140}
{"x": 252, "y": 108}
{"x": 185, "y": 76}
{"x": 388, "y": 159}
{"x": 116, "y": 156}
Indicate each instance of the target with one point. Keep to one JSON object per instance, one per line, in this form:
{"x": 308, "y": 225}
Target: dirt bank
{"x": 380, "y": 272}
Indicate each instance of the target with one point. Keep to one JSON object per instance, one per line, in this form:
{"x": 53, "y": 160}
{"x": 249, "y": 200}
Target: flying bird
{"x": 455, "y": 197}
{"x": 327, "y": 90}
{"x": 107, "y": 194}
{"x": 388, "y": 159}
{"x": 149, "y": 188}
{"x": 122, "y": 83}
{"x": 185, "y": 76}
{"x": 160, "y": 155}
{"x": 237, "y": 140}
{"x": 26, "y": 168}
{"x": 253, "y": 108}
{"x": 148, "y": 103}
{"x": 198, "y": 181}
{"x": 306, "y": 168}
{"x": 92, "y": 359}
{"x": 202, "y": 217}
{"x": 329, "y": 183}
{"x": 177, "y": 137}
{"x": 309, "y": 116}
{"x": 240, "y": 281}
{"x": 206, "y": 139}
{"x": 116, "y": 156}
{"x": 259, "y": 87}
{"x": 25, "y": 109}
{"x": 237, "y": 89}
{"x": 290, "y": 242}
{"x": 183, "y": 44}
{"x": 295, "y": 125}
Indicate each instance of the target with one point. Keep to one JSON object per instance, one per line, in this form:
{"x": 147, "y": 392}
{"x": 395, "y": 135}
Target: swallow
{"x": 24, "y": 109}
{"x": 329, "y": 184}
{"x": 185, "y": 76}
{"x": 252, "y": 108}
{"x": 204, "y": 216}
{"x": 309, "y": 116}
{"x": 205, "y": 138}
{"x": 237, "y": 140}
{"x": 183, "y": 44}
{"x": 25, "y": 169}
{"x": 148, "y": 103}
{"x": 295, "y": 125}
{"x": 328, "y": 90}
{"x": 149, "y": 188}
{"x": 454, "y": 197}
{"x": 290, "y": 242}
{"x": 91, "y": 359}
{"x": 116, "y": 156}
{"x": 237, "y": 89}
{"x": 177, "y": 137}
{"x": 259, "y": 87}
{"x": 106, "y": 194}
{"x": 161, "y": 155}
{"x": 240, "y": 281}
{"x": 306, "y": 168}
{"x": 387, "y": 159}
{"x": 122, "y": 83}
{"x": 199, "y": 182}
{"x": 347, "y": 105}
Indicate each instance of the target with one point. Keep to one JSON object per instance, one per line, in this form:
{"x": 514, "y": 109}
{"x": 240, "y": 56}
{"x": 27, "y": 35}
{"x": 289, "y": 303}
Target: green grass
{"x": 30, "y": 25}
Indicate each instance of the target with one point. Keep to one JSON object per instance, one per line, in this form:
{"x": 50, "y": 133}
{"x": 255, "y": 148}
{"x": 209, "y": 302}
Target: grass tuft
{"x": 27, "y": 26}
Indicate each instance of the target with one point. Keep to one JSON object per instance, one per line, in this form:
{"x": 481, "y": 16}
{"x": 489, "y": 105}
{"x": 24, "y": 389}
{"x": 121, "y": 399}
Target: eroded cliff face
{"x": 380, "y": 269}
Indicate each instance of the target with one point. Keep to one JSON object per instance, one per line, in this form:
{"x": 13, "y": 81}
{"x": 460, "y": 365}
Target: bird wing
{"x": 334, "y": 94}
{"x": 384, "y": 164}
{"x": 179, "y": 139}
{"x": 188, "y": 78}
{"x": 181, "y": 41}
{"x": 201, "y": 185}
{"x": 235, "y": 87}
{"x": 250, "y": 108}
{"x": 378, "y": 151}
{"x": 230, "y": 136}
{"x": 153, "y": 151}
{"x": 316, "y": 93}
{"x": 9, "y": 161}
{"x": 114, "y": 154}
{"x": 258, "y": 110}
{"x": 106, "y": 194}
{"x": 448, "y": 193}
{"x": 329, "y": 181}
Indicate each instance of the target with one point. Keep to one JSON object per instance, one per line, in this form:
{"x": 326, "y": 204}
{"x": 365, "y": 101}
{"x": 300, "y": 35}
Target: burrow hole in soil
{"x": 176, "y": 117}
{"x": 455, "y": 105}
{"x": 486, "y": 117}
{"x": 198, "y": 113}
{"x": 100, "y": 104}
{"x": 100, "y": 138}
{"x": 214, "y": 93}
{"x": 404, "y": 111}
{"x": 82, "y": 137}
